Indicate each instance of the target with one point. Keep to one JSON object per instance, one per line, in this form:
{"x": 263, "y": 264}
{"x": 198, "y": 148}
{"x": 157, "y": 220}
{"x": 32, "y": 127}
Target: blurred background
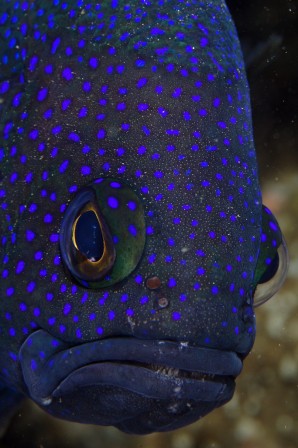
{"x": 264, "y": 410}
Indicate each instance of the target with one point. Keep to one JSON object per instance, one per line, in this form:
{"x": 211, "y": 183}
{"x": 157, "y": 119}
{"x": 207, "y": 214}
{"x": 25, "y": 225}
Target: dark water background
{"x": 264, "y": 410}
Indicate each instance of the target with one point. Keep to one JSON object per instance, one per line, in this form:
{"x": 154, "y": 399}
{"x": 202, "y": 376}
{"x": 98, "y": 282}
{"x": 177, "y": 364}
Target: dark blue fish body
{"x": 133, "y": 236}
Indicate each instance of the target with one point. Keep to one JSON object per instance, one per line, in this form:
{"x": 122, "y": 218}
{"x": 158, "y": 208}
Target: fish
{"x": 134, "y": 243}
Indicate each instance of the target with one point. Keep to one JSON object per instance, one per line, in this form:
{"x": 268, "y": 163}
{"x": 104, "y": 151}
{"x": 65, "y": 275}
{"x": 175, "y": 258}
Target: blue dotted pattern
{"x": 152, "y": 93}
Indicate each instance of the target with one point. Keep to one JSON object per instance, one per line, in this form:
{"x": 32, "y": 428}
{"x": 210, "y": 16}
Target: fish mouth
{"x": 139, "y": 386}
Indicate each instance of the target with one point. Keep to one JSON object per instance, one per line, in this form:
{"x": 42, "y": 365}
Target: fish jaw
{"x": 139, "y": 386}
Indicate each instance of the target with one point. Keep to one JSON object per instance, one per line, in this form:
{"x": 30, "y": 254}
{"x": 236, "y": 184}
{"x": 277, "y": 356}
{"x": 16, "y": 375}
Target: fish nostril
{"x": 153, "y": 282}
{"x": 162, "y": 302}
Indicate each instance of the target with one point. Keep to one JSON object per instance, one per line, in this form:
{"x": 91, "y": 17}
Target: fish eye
{"x": 274, "y": 277}
{"x": 102, "y": 234}
{"x": 273, "y": 260}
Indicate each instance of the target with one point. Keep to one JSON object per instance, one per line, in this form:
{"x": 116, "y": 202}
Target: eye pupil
{"x": 88, "y": 236}
{"x": 271, "y": 270}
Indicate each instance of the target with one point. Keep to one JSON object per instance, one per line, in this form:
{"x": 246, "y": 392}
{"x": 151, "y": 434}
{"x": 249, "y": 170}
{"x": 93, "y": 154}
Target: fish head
{"x": 135, "y": 234}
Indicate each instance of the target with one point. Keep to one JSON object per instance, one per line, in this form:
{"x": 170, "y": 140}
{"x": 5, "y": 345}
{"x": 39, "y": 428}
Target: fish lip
{"x": 156, "y": 370}
{"x": 41, "y": 353}
{"x": 132, "y": 376}
{"x": 123, "y": 375}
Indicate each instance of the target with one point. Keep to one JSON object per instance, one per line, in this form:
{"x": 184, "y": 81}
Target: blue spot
{"x": 87, "y": 86}
{"x": 143, "y": 107}
{"x": 93, "y": 62}
{"x": 20, "y": 266}
{"x": 30, "y": 235}
{"x": 67, "y": 74}
{"x": 31, "y": 286}
{"x": 67, "y": 308}
{"x": 132, "y": 230}
{"x": 85, "y": 170}
{"x": 131, "y": 205}
{"x": 74, "y": 137}
{"x": 33, "y": 364}
{"x": 151, "y": 258}
{"x": 172, "y": 282}
{"x": 115, "y": 185}
{"x": 48, "y": 218}
{"x": 12, "y": 332}
{"x": 101, "y": 133}
{"x": 65, "y": 103}
{"x": 138, "y": 279}
{"x": 113, "y": 202}
{"x": 63, "y": 166}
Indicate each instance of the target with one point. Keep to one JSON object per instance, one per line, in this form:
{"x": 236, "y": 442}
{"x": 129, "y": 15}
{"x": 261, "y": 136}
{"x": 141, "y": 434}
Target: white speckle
{"x": 46, "y": 401}
{"x": 131, "y": 323}
{"x": 173, "y": 409}
{"x": 184, "y": 249}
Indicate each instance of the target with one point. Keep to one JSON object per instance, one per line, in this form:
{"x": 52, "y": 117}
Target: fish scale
{"x": 144, "y": 106}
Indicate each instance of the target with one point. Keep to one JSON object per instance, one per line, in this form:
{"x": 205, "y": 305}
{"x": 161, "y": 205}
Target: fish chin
{"x": 139, "y": 386}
